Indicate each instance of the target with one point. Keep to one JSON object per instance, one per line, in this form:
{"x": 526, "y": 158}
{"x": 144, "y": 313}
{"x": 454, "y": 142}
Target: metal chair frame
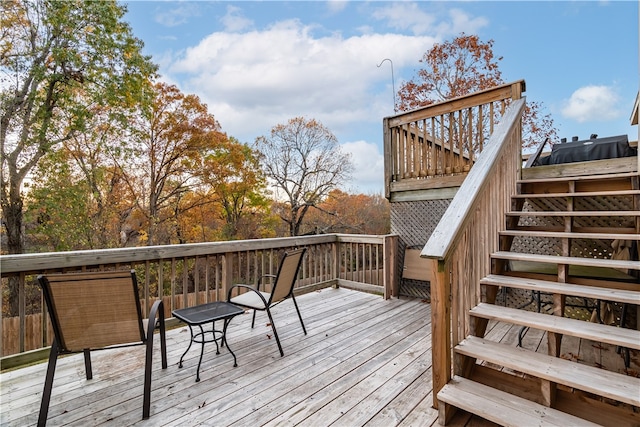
{"x": 59, "y": 345}
{"x": 267, "y": 299}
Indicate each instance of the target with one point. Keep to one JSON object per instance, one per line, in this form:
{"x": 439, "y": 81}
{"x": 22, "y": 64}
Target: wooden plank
{"x": 588, "y": 177}
{"x": 573, "y": 213}
{"x": 602, "y": 167}
{"x": 607, "y": 294}
{"x": 415, "y": 267}
{"x": 577, "y": 194}
{"x": 562, "y": 325}
{"x": 571, "y": 235}
{"x": 503, "y": 408}
{"x": 552, "y": 259}
{"x": 612, "y": 385}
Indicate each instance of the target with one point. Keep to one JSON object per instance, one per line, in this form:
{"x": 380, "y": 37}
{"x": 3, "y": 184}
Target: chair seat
{"x": 251, "y": 299}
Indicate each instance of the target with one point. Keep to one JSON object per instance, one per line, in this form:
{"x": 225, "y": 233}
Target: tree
{"x": 169, "y": 142}
{"x": 233, "y": 176}
{"x": 56, "y": 59}
{"x": 341, "y": 212}
{"x": 463, "y": 66}
{"x": 303, "y": 159}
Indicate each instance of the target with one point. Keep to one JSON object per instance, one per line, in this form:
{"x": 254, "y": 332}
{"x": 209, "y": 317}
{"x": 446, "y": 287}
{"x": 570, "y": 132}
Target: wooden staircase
{"x": 557, "y": 242}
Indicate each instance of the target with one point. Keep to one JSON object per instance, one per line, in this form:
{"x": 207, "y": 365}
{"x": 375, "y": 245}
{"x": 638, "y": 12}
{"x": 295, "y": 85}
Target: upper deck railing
{"x": 190, "y": 274}
{"x": 436, "y": 146}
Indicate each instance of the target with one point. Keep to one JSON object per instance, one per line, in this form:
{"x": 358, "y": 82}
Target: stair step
{"x": 575, "y": 213}
{"x": 606, "y": 294}
{"x": 577, "y": 194}
{"x": 503, "y": 408}
{"x": 570, "y": 235}
{"x": 562, "y": 325}
{"x": 582, "y": 178}
{"x": 553, "y": 259}
{"x": 611, "y": 385}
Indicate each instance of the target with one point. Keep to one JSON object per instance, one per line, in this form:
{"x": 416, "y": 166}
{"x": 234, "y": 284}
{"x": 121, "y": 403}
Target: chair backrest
{"x": 287, "y": 275}
{"x": 93, "y": 310}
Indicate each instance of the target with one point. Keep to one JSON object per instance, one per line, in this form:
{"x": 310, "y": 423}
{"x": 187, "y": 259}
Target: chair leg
{"x": 275, "y": 333}
{"x": 253, "y": 320}
{"x": 146, "y": 400}
{"x": 157, "y": 311}
{"x": 299, "y": 315}
{"x": 87, "y": 364}
{"x": 48, "y": 384}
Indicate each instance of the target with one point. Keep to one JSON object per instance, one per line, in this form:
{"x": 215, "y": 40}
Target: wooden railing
{"x": 186, "y": 275}
{"x": 435, "y": 146}
{"x": 461, "y": 244}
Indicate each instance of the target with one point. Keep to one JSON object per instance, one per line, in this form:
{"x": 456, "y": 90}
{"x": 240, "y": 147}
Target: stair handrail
{"x": 465, "y": 237}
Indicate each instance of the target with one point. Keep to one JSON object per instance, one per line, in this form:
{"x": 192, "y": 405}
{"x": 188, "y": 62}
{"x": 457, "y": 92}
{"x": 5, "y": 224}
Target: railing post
{"x": 440, "y": 326}
{"x": 335, "y": 261}
{"x": 390, "y": 251}
{"x": 227, "y": 273}
{"x": 388, "y": 164}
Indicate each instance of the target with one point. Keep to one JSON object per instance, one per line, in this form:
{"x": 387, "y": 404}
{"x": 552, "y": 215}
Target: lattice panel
{"x": 414, "y": 222}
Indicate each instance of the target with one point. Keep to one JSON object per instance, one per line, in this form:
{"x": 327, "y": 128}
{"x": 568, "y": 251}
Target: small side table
{"x": 205, "y": 313}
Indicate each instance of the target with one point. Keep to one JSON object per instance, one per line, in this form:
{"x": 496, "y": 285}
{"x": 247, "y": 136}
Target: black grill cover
{"x": 590, "y": 149}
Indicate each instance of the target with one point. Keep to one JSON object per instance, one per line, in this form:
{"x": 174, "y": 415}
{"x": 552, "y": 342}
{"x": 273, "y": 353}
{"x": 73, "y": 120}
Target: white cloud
{"x": 405, "y": 16}
{"x": 252, "y": 81}
{"x": 461, "y": 22}
{"x": 235, "y": 21}
{"x": 335, "y": 6}
{"x": 592, "y": 103}
{"x": 368, "y": 176}
{"x": 178, "y": 15}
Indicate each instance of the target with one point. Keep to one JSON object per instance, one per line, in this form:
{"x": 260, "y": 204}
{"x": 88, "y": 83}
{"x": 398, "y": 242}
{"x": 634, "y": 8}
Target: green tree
{"x": 303, "y": 159}
{"x": 57, "y": 214}
{"x": 57, "y": 58}
{"x": 233, "y": 176}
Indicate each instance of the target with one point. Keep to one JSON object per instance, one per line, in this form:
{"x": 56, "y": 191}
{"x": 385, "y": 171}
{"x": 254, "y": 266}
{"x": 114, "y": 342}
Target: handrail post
{"x": 388, "y": 164}
{"x": 440, "y": 326}
{"x": 227, "y": 273}
{"x": 390, "y": 251}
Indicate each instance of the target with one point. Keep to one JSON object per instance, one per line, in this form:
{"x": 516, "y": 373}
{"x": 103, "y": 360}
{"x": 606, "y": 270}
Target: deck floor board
{"x": 365, "y": 361}
{"x": 360, "y": 357}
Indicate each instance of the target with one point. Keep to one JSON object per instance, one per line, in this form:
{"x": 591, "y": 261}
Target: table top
{"x": 207, "y": 312}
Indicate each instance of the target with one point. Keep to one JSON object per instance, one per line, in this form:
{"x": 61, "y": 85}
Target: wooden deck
{"x": 364, "y": 361}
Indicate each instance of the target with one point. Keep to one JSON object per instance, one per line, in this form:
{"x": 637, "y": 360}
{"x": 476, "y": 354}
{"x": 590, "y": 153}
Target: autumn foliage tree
{"x": 164, "y": 158}
{"x": 463, "y": 66}
{"x": 235, "y": 182}
{"x": 303, "y": 160}
{"x": 342, "y": 212}
{"x": 57, "y": 59}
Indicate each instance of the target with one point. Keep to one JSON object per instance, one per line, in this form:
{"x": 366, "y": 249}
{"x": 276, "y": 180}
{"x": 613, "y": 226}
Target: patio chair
{"x": 282, "y": 289}
{"x": 95, "y": 311}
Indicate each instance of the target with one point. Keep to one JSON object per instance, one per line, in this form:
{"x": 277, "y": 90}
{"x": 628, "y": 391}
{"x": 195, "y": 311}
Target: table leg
{"x": 190, "y": 342}
{"x": 224, "y": 341}
{"x": 213, "y": 332}
{"x": 201, "y": 353}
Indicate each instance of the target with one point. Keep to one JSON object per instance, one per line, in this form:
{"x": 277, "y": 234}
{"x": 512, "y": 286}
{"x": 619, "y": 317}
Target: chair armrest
{"x": 156, "y": 317}
{"x": 249, "y": 288}
{"x": 271, "y": 276}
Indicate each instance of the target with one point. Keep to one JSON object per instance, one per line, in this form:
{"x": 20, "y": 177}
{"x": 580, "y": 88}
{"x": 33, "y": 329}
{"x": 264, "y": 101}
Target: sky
{"x": 257, "y": 64}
